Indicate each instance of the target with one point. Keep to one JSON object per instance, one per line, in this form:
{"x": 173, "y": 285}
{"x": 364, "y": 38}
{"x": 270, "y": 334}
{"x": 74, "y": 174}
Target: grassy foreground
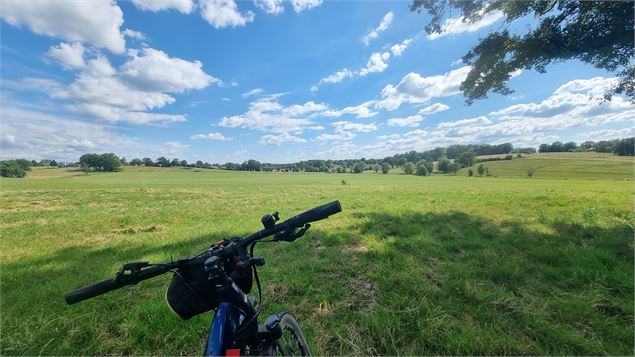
{"x": 414, "y": 265}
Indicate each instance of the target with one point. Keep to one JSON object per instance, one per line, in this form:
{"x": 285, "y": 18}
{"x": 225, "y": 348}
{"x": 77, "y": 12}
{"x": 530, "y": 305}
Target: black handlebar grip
{"x": 315, "y": 214}
{"x": 90, "y": 291}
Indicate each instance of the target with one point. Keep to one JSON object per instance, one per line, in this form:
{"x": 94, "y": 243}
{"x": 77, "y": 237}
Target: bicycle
{"x": 219, "y": 279}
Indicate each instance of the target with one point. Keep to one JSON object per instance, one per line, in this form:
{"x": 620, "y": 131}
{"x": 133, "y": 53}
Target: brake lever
{"x": 132, "y": 268}
{"x": 291, "y": 235}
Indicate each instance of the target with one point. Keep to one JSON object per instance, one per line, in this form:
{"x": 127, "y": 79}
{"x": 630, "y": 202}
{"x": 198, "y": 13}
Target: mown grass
{"x": 414, "y": 265}
{"x": 564, "y": 165}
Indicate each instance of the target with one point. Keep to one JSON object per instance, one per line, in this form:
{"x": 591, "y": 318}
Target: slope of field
{"x": 413, "y": 266}
{"x": 564, "y": 165}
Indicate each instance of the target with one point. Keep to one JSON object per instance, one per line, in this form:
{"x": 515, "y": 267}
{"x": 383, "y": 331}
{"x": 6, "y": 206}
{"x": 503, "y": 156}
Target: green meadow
{"x": 436, "y": 265}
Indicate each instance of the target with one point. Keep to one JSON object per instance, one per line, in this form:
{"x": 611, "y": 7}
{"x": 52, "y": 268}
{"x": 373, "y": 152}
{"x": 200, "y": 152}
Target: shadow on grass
{"x": 413, "y": 283}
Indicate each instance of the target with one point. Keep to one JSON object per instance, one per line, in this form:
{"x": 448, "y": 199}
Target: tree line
{"x": 448, "y": 159}
{"x": 621, "y": 147}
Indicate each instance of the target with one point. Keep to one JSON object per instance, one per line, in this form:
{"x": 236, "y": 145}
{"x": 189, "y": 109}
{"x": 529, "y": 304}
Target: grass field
{"x": 414, "y": 265}
{"x": 564, "y": 165}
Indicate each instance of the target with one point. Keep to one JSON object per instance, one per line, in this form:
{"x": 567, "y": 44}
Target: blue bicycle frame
{"x": 223, "y": 330}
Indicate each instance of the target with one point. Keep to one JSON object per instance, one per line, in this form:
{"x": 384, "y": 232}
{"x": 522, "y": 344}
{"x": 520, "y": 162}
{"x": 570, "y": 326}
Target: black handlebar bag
{"x": 190, "y": 292}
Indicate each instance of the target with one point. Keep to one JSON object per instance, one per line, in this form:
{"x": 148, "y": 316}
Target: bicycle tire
{"x": 292, "y": 342}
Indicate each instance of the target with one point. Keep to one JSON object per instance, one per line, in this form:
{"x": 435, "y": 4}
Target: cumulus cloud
{"x": 376, "y": 63}
{"x": 433, "y": 109}
{"x": 607, "y": 134}
{"x": 482, "y": 120}
{"x": 337, "y": 76}
{"x": 383, "y": 26}
{"x": 411, "y": 121}
{"x": 414, "y": 88}
{"x": 253, "y": 92}
{"x": 281, "y": 138}
{"x": 360, "y": 111}
{"x": 301, "y": 5}
{"x": 267, "y": 115}
{"x": 129, "y": 93}
{"x": 346, "y": 130}
{"x": 182, "y": 6}
{"x": 273, "y": 7}
{"x": 96, "y": 22}
{"x": 399, "y": 48}
{"x": 70, "y": 56}
{"x": 36, "y": 135}
{"x": 224, "y": 13}
{"x": 134, "y": 34}
{"x": 211, "y": 136}
{"x": 454, "y": 26}
{"x": 153, "y": 70}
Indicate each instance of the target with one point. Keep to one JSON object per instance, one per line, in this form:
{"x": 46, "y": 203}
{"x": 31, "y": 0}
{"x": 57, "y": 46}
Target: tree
{"x": 466, "y": 158}
{"x": 385, "y": 168}
{"x": 454, "y": 167}
{"x": 595, "y": 32}
{"x": 123, "y": 160}
{"x": 359, "y": 167}
{"x": 88, "y": 161}
{"x": 251, "y": 165}
{"x": 409, "y": 168}
{"x": 13, "y": 168}
{"x": 163, "y": 162}
{"x": 109, "y": 162}
{"x": 625, "y": 147}
{"x": 175, "y": 162}
{"x": 421, "y": 171}
{"x": 377, "y": 168}
{"x": 570, "y": 146}
{"x": 53, "y": 163}
{"x": 401, "y": 162}
{"x": 147, "y": 161}
{"x": 470, "y": 172}
{"x": 480, "y": 169}
{"x": 135, "y": 162}
{"x": 444, "y": 164}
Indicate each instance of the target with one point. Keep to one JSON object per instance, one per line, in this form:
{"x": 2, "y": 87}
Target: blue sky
{"x": 278, "y": 81}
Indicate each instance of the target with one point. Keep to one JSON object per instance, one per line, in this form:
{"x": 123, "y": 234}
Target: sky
{"x": 271, "y": 80}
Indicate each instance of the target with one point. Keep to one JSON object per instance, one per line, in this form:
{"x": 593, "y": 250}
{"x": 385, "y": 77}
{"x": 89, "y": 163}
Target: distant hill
{"x": 585, "y": 165}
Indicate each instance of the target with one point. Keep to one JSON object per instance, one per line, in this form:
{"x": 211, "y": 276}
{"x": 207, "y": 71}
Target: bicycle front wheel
{"x": 292, "y": 342}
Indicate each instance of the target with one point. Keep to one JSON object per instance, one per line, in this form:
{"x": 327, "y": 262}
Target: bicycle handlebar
{"x": 102, "y": 287}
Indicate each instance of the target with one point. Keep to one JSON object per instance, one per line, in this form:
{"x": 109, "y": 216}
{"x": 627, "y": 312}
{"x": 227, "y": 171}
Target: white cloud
{"x": 280, "y": 139}
{"x": 224, "y": 13}
{"x": 361, "y": 111}
{"x": 607, "y": 134}
{"x": 376, "y": 63}
{"x": 433, "y": 109}
{"x": 273, "y": 7}
{"x": 68, "y": 55}
{"x": 211, "y": 136}
{"x": 399, "y": 48}
{"x": 154, "y": 70}
{"x": 383, "y": 26}
{"x": 253, "y": 92}
{"x": 314, "y": 88}
{"x": 316, "y": 127}
{"x": 37, "y": 135}
{"x": 128, "y": 94}
{"x": 301, "y": 5}
{"x": 346, "y": 131}
{"x": 413, "y": 88}
{"x": 411, "y": 121}
{"x": 268, "y": 115}
{"x": 182, "y": 6}
{"x": 308, "y": 107}
{"x": 482, "y": 120}
{"x": 134, "y": 34}
{"x": 454, "y": 26}
{"x": 96, "y": 22}
{"x": 337, "y": 76}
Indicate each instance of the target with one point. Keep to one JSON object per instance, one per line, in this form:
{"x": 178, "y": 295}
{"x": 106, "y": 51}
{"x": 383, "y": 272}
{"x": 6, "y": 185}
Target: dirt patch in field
{"x": 365, "y": 294}
{"x": 135, "y": 230}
